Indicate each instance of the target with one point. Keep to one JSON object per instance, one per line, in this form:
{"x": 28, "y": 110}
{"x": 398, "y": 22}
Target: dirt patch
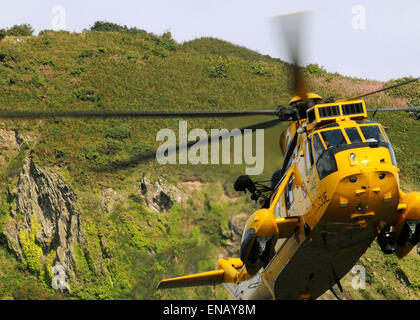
{"x": 192, "y": 186}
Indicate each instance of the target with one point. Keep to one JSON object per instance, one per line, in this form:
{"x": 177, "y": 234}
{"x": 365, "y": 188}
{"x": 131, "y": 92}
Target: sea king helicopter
{"x": 337, "y": 191}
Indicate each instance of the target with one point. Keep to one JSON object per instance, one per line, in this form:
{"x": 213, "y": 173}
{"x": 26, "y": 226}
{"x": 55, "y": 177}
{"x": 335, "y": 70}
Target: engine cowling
{"x": 409, "y": 226}
{"x": 286, "y": 137}
{"x": 261, "y": 232}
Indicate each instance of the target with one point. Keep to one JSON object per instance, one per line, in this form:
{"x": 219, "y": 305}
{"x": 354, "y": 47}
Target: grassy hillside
{"x": 131, "y": 248}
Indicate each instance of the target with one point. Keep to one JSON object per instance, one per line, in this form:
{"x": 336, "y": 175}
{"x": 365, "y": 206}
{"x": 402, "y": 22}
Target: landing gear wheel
{"x": 386, "y": 240}
{"x": 415, "y": 238}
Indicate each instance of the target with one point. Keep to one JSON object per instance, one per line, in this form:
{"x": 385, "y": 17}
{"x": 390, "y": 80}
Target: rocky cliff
{"x": 45, "y": 224}
{"x": 159, "y": 195}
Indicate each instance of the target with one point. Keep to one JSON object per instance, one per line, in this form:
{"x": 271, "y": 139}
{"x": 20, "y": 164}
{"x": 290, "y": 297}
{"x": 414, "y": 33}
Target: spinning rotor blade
{"x": 152, "y": 155}
{"x": 282, "y": 114}
{"x": 380, "y": 90}
{"x": 290, "y": 28}
{"x": 10, "y": 114}
{"x": 394, "y": 109}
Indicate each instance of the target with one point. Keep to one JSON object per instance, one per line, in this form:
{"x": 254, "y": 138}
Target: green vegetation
{"x": 410, "y": 91}
{"x": 32, "y": 252}
{"x": 16, "y": 163}
{"x": 223, "y": 48}
{"x": 23, "y": 30}
{"x": 387, "y": 277}
{"x": 129, "y": 249}
{"x": 102, "y": 26}
{"x": 316, "y": 70}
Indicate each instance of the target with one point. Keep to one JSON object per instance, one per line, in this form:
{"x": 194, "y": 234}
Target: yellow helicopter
{"x": 337, "y": 192}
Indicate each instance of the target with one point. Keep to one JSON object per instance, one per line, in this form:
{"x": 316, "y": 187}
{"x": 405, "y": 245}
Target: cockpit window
{"x": 318, "y": 147}
{"x": 372, "y": 133}
{"x": 353, "y": 135}
{"x": 333, "y": 138}
{"x": 391, "y": 150}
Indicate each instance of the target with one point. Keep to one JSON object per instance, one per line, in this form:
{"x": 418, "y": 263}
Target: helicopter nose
{"x": 367, "y": 158}
{"x": 368, "y": 195}
{"x": 368, "y": 186}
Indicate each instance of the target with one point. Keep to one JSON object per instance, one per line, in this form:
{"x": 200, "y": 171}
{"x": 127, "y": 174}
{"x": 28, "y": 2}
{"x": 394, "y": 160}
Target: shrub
{"x": 90, "y": 53}
{"x": 220, "y": 68}
{"x": 132, "y": 55}
{"x": 136, "y": 198}
{"x": 414, "y": 114}
{"x": 118, "y": 133}
{"x": 31, "y": 251}
{"x": 138, "y": 149}
{"x": 107, "y": 27}
{"x": 103, "y": 26}
{"x": 316, "y": 70}
{"x": 410, "y": 91}
{"x": 10, "y": 56}
{"x": 160, "y": 52}
{"x": 87, "y": 53}
{"x": 260, "y": 68}
{"x": 166, "y": 41}
{"x": 20, "y": 30}
{"x": 113, "y": 146}
{"x": 91, "y": 153}
{"x": 78, "y": 70}
{"x": 87, "y": 94}
{"x": 134, "y": 30}
{"x": 47, "y": 62}
{"x": 2, "y": 34}
{"x": 47, "y": 41}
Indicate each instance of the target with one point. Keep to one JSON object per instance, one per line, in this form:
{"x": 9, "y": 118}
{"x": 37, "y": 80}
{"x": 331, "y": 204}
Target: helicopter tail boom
{"x": 198, "y": 279}
{"x": 227, "y": 272}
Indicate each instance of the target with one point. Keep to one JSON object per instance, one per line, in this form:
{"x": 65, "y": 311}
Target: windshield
{"x": 372, "y": 133}
{"x": 329, "y": 142}
{"x": 333, "y": 138}
{"x": 338, "y": 137}
{"x": 353, "y": 135}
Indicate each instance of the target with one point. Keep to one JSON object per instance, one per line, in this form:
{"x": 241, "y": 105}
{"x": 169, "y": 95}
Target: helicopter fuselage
{"x": 339, "y": 192}
{"x": 340, "y": 215}
{"x": 342, "y": 185}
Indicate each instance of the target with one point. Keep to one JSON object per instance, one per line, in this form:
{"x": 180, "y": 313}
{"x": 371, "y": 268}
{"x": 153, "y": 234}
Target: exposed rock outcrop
{"x": 109, "y": 198}
{"x": 159, "y": 195}
{"x": 12, "y": 139}
{"x": 10, "y": 145}
{"x": 46, "y": 205}
{"x": 9, "y": 140}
